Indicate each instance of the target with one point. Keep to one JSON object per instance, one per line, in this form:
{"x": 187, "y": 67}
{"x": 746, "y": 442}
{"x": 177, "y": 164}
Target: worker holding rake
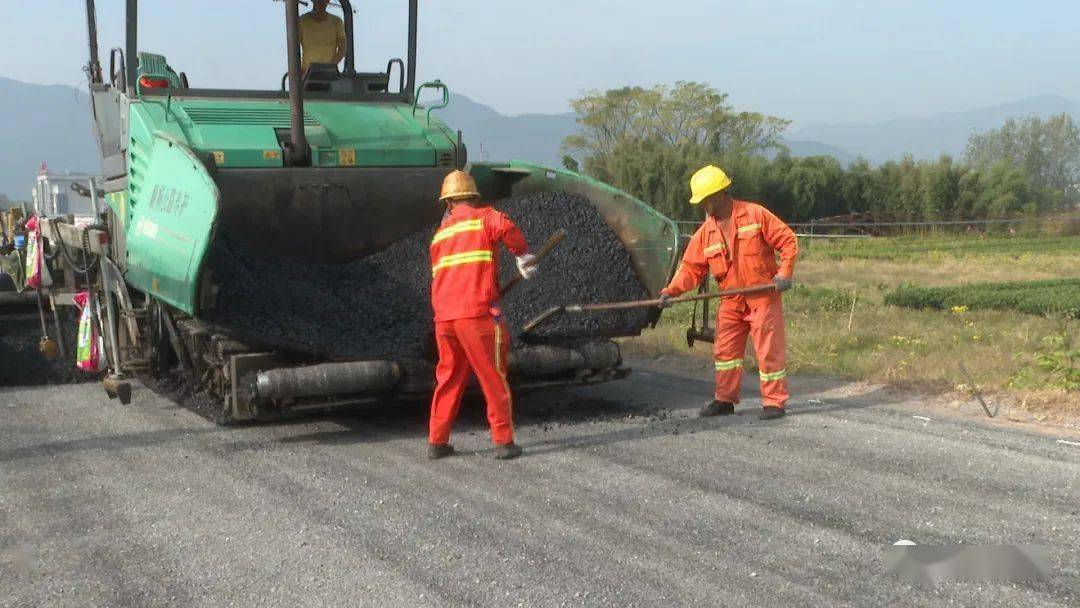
{"x": 737, "y": 244}
{"x": 468, "y": 330}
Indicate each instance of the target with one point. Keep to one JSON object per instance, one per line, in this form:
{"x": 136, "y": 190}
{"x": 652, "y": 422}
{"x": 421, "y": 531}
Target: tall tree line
{"x": 649, "y": 141}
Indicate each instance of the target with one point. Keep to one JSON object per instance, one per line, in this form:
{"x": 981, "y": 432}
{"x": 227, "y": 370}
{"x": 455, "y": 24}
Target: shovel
{"x": 582, "y": 308}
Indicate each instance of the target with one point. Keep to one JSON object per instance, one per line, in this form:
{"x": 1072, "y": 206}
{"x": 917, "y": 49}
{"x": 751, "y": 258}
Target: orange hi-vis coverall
{"x": 468, "y": 331}
{"x": 744, "y": 258}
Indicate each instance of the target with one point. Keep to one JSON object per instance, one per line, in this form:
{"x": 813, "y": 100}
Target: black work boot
{"x": 716, "y": 408}
{"x": 771, "y": 412}
{"x": 436, "y": 451}
{"x": 507, "y": 451}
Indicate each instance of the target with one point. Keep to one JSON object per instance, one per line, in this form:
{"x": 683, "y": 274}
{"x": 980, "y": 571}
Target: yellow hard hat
{"x": 707, "y": 181}
{"x": 458, "y": 185}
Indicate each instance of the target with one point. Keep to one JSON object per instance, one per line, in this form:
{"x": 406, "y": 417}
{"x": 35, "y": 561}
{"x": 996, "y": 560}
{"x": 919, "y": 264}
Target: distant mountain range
{"x": 490, "y": 135}
{"x": 799, "y": 148}
{"x": 43, "y": 123}
{"x": 52, "y": 124}
{"x": 930, "y": 137}
{"x": 539, "y": 137}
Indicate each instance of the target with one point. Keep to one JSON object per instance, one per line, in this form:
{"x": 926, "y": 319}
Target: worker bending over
{"x": 322, "y": 36}
{"x": 468, "y": 329}
{"x": 737, "y": 244}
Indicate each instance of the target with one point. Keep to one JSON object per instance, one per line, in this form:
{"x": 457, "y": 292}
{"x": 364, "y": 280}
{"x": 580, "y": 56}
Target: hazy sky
{"x": 808, "y": 60}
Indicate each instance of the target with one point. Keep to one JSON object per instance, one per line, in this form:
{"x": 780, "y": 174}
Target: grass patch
{"x": 936, "y": 261}
{"x": 1057, "y": 364}
{"x": 1031, "y": 297}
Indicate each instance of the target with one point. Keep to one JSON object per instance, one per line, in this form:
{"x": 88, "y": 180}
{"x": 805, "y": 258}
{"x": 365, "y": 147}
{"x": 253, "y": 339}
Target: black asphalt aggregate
{"x": 589, "y": 266}
{"x": 20, "y": 361}
{"x": 623, "y": 498}
{"x": 376, "y": 307}
{"x": 380, "y": 306}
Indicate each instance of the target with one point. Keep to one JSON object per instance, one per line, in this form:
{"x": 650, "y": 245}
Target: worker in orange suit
{"x": 737, "y": 244}
{"x": 468, "y": 330}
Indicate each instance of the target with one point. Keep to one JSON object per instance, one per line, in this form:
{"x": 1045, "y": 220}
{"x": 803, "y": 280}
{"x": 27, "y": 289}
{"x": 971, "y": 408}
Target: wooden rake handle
{"x": 577, "y": 308}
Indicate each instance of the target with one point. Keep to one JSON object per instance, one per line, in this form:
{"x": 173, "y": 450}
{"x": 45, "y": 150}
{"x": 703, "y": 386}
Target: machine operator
{"x": 322, "y": 36}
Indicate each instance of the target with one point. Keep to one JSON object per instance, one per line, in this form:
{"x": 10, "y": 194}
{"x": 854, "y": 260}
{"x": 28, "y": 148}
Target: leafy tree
{"x": 940, "y": 189}
{"x": 1005, "y": 189}
{"x": 649, "y": 141}
{"x": 688, "y": 113}
{"x": 857, "y": 187}
{"x": 748, "y": 133}
{"x": 654, "y": 171}
{"x": 806, "y": 186}
{"x": 968, "y": 192}
{"x": 1048, "y": 150}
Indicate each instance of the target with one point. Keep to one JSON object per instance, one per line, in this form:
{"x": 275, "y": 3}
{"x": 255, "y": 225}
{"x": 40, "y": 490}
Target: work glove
{"x": 527, "y": 271}
{"x": 664, "y": 297}
{"x": 783, "y": 283}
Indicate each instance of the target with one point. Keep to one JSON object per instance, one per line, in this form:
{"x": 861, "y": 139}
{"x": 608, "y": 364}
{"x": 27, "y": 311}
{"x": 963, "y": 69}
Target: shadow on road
{"x": 570, "y": 407}
{"x": 107, "y": 442}
{"x": 745, "y": 417}
{"x": 646, "y": 405}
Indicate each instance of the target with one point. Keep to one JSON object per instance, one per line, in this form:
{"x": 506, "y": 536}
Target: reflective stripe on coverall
{"x": 749, "y": 261}
{"x": 468, "y": 332}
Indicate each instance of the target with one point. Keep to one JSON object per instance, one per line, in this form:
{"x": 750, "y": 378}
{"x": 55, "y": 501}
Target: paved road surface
{"x": 623, "y": 499}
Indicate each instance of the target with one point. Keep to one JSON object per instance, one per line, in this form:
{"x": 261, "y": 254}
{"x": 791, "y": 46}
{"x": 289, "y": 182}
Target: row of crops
{"x": 1032, "y": 297}
{"x": 912, "y": 247}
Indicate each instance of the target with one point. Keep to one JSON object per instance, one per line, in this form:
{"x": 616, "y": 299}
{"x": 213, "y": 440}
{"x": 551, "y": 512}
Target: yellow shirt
{"x": 318, "y": 39}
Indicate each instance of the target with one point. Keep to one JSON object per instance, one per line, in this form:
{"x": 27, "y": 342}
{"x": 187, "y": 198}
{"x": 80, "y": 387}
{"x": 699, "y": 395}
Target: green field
{"x": 840, "y": 324}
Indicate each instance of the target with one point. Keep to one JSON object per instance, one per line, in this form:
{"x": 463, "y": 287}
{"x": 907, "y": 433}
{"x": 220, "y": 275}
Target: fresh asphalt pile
{"x": 375, "y": 307}
{"x": 379, "y": 307}
{"x": 590, "y": 266}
